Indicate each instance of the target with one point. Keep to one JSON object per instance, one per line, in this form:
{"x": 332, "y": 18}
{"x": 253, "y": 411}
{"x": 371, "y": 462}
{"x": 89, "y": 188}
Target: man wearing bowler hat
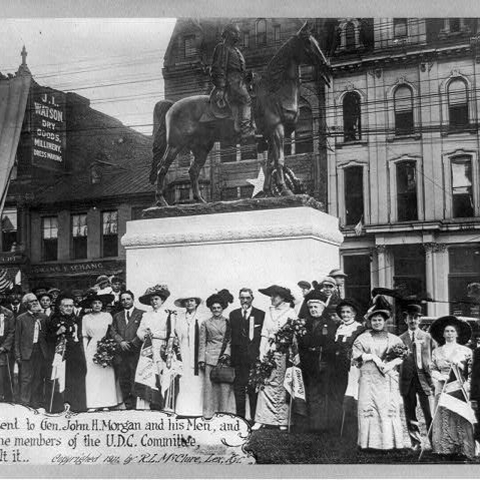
{"x": 339, "y": 276}
{"x": 415, "y": 374}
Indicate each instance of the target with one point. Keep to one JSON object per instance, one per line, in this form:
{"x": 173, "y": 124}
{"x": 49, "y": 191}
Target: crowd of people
{"x": 356, "y": 374}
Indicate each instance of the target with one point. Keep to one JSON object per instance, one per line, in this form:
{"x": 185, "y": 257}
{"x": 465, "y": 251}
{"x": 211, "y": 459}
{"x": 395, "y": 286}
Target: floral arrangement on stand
{"x": 281, "y": 342}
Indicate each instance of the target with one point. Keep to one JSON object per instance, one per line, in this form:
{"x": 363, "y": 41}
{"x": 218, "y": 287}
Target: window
{"x": 454, "y": 25}
{"x": 228, "y": 151}
{"x": 110, "y": 233}
{"x": 229, "y": 193}
{"x": 9, "y": 230}
{"x": 352, "y": 128}
{"x": 358, "y": 285}
{"x": 403, "y": 106}
{"x": 462, "y": 187}
{"x": 184, "y": 193}
{"x": 276, "y": 33}
{"x": 49, "y": 238}
{"x": 350, "y": 36}
{"x": 79, "y": 236}
{"x": 406, "y": 191}
{"x": 246, "y": 191}
{"x": 457, "y": 103}
{"x": 304, "y": 131}
{"x": 399, "y": 28}
{"x": 410, "y": 274}
{"x": 353, "y": 195}
{"x": 261, "y": 33}
{"x": 189, "y": 46}
{"x": 464, "y": 269}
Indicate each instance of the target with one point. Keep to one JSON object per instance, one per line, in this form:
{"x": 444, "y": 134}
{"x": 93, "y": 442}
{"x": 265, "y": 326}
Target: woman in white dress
{"x": 187, "y": 328}
{"x": 100, "y": 384}
{"x": 272, "y": 403}
{"x": 155, "y": 327}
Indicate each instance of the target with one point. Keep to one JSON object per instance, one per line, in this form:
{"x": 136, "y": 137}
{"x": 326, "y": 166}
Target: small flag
{"x": 293, "y": 382}
{"x": 58, "y": 364}
{"x": 455, "y": 398}
{"x": 359, "y": 227}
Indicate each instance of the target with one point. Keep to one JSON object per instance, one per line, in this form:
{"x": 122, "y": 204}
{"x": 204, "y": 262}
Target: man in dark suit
{"x": 415, "y": 374}
{"x": 7, "y": 338}
{"x": 246, "y": 327}
{"x": 124, "y": 330}
{"x": 31, "y": 352}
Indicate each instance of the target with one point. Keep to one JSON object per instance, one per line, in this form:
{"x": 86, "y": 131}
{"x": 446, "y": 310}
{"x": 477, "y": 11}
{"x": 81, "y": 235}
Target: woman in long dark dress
{"x": 64, "y": 328}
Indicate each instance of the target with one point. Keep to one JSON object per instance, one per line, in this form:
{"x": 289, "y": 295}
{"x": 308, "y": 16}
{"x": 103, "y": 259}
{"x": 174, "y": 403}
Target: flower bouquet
{"x": 280, "y": 342}
{"x": 394, "y": 357}
{"x": 106, "y": 350}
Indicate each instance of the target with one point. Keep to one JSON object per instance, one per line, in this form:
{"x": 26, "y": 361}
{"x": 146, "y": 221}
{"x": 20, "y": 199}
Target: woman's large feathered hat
{"x": 379, "y": 305}
{"x": 93, "y": 295}
{"x": 438, "y": 327}
{"x": 161, "y": 290}
{"x": 223, "y": 297}
{"x": 283, "y": 292}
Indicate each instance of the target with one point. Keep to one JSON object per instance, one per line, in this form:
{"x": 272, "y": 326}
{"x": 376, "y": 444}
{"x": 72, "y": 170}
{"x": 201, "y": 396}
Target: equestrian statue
{"x": 195, "y": 123}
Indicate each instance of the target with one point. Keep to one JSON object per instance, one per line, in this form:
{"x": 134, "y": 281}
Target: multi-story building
{"x": 398, "y": 161}
{"x": 80, "y": 175}
{"x": 404, "y": 158}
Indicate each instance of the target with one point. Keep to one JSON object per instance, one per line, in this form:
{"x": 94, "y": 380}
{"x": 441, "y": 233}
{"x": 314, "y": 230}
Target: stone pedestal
{"x": 225, "y": 246}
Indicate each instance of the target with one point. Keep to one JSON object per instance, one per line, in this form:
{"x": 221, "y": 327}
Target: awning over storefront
{"x": 13, "y": 100}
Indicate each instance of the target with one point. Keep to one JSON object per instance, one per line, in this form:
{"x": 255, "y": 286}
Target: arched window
{"x": 304, "y": 131}
{"x": 261, "y": 33}
{"x": 403, "y": 106}
{"x": 352, "y": 126}
{"x": 457, "y": 103}
{"x": 350, "y": 36}
{"x": 462, "y": 186}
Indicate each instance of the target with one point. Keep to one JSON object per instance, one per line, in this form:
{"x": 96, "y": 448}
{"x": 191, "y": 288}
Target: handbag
{"x": 222, "y": 373}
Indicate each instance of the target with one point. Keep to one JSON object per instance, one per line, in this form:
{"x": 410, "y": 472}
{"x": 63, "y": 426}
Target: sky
{"x": 116, "y": 63}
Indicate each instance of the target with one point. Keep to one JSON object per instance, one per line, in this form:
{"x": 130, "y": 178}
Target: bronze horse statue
{"x": 182, "y": 125}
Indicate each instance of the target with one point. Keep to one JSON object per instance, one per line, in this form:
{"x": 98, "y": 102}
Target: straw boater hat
{"x": 92, "y": 295}
{"x": 463, "y": 328}
{"x": 380, "y": 305}
{"x": 283, "y": 292}
{"x": 347, "y": 302}
{"x": 316, "y": 296}
{"x": 161, "y": 290}
{"x": 179, "y": 302}
{"x": 223, "y": 297}
{"x": 328, "y": 280}
{"x": 304, "y": 285}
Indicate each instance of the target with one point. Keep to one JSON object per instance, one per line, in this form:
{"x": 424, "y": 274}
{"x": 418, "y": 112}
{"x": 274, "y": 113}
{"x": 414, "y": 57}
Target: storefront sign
{"x": 81, "y": 268}
{"x": 48, "y": 127}
{"x": 11, "y": 258}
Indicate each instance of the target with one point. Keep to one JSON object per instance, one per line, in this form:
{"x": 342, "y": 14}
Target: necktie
{"x": 128, "y": 316}
{"x": 244, "y": 314}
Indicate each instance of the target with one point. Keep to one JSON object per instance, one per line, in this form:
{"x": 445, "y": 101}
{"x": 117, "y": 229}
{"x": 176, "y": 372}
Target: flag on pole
{"x": 147, "y": 379}
{"x": 455, "y": 398}
{"x": 293, "y": 381}
{"x": 359, "y": 227}
{"x": 58, "y": 365}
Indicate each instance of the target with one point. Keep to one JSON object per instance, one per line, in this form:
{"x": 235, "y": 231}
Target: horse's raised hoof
{"x": 161, "y": 202}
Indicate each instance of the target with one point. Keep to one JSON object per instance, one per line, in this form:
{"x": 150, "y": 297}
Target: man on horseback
{"x": 228, "y": 76}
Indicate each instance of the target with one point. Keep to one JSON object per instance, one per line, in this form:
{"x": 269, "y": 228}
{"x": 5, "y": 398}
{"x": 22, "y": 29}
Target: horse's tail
{"x": 159, "y": 135}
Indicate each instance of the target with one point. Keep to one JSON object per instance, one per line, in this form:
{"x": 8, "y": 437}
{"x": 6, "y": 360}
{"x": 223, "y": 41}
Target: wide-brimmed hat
{"x": 223, "y": 297}
{"x": 347, "y": 302}
{"x": 54, "y": 290}
{"x": 329, "y": 280}
{"x": 179, "y": 302}
{"x": 283, "y": 292}
{"x": 161, "y": 290}
{"x": 379, "y": 305}
{"x": 337, "y": 272}
{"x": 101, "y": 279}
{"x": 463, "y": 328}
{"x": 316, "y": 296}
{"x": 92, "y": 295}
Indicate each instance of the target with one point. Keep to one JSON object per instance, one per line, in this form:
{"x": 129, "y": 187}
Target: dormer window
{"x": 349, "y": 35}
{"x": 399, "y": 28}
{"x": 454, "y": 26}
